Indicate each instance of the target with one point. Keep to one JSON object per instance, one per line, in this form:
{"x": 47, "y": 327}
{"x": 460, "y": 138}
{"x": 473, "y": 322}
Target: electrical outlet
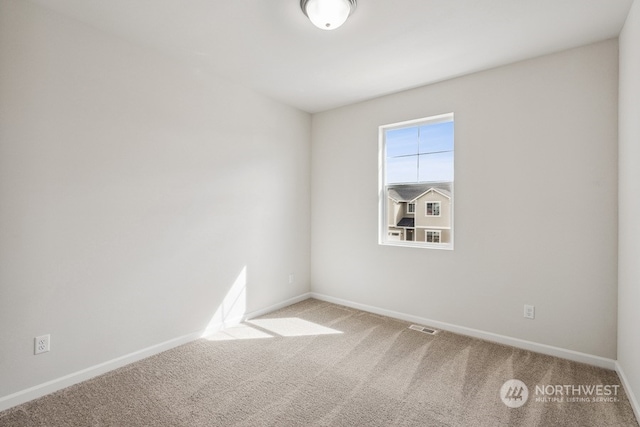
{"x": 529, "y": 312}
{"x": 291, "y": 279}
{"x": 42, "y": 344}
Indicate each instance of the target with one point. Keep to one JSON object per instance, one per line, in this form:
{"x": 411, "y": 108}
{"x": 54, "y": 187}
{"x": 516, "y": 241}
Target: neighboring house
{"x": 420, "y": 212}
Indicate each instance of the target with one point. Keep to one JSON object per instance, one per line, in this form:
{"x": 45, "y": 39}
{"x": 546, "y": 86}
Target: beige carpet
{"x": 320, "y": 364}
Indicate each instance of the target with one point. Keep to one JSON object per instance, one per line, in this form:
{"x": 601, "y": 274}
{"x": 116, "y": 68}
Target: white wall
{"x": 629, "y": 223}
{"x": 535, "y": 203}
{"x": 133, "y": 192}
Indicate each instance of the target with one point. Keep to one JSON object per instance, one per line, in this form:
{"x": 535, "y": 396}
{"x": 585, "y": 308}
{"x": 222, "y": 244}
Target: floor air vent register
{"x": 424, "y": 329}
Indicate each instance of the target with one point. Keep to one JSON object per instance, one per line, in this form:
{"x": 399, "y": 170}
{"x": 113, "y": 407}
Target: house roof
{"x": 407, "y": 222}
{"x": 410, "y": 192}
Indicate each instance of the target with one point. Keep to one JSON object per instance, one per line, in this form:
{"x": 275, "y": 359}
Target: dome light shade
{"x": 328, "y": 14}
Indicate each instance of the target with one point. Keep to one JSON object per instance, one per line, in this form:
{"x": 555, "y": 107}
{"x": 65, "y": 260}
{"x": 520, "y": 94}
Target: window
{"x": 416, "y": 183}
{"x": 432, "y": 209}
{"x": 432, "y": 236}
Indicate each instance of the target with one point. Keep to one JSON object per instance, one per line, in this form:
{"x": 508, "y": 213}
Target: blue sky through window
{"x": 422, "y": 153}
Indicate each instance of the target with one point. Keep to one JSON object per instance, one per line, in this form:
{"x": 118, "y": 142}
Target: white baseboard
{"x": 576, "y": 356}
{"x": 40, "y": 390}
{"x": 630, "y": 394}
{"x": 277, "y": 306}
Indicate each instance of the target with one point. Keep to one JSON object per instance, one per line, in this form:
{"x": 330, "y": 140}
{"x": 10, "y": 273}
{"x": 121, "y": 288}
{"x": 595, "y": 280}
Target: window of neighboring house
{"x": 432, "y": 236}
{"x": 432, "y": 209}
{"x": 416, "y": 161}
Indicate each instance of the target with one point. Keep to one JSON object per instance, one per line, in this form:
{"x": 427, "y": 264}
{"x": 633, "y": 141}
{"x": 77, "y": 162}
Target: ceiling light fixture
{"x": 328, "y": 14}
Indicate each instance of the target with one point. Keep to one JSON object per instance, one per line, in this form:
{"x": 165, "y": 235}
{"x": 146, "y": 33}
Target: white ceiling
{"x": 385, "y": 46}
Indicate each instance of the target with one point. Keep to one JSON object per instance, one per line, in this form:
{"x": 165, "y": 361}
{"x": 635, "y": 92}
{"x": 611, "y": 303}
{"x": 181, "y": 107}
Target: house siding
{"x": 422, "y": 220}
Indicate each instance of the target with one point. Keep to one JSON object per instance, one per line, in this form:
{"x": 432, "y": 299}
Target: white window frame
{"x": 434, "y": 202}
{"x": 409, "y": 210}
{"x": 383, "y": 215}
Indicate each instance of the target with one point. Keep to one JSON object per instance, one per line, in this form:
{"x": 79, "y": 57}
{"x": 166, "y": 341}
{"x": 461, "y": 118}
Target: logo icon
{"x": 514, "y": 393}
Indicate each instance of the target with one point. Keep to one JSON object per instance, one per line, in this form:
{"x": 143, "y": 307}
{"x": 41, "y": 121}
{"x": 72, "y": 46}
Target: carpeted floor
{"x": 320, "y": 364}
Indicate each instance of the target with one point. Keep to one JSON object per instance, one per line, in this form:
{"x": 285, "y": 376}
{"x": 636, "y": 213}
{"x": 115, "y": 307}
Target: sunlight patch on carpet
{"x": 293, "y": 327}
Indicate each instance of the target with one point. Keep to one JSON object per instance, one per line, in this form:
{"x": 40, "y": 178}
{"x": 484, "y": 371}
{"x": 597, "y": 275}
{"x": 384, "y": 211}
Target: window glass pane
{"x": 436, "y": 137}
{"x": 417, "y": 171}
{"x": 402, "y": 142}
{"x": 402, "y": 169}
{"x": 436, "y": 167}
{"x": 433, "y": 208}
{"x": 433, "y": 236}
